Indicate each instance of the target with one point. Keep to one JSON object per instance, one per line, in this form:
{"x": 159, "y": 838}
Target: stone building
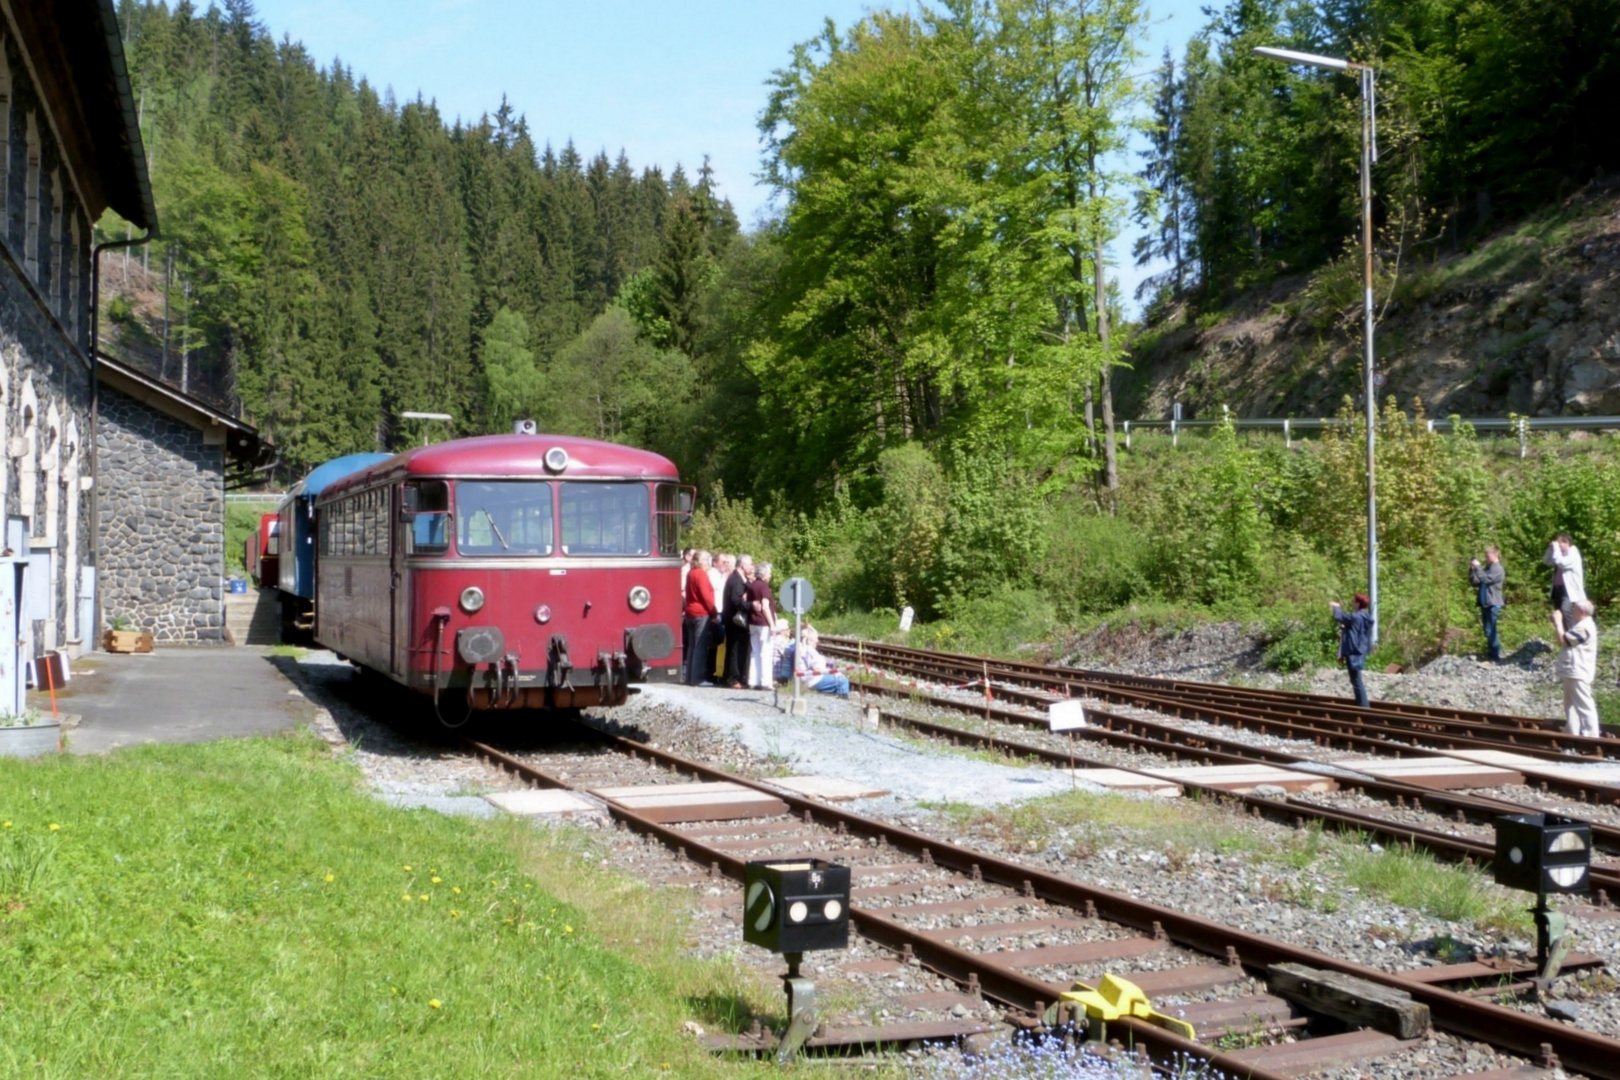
{"x": 69, "y": 150}
{"x": 165, "y": 458}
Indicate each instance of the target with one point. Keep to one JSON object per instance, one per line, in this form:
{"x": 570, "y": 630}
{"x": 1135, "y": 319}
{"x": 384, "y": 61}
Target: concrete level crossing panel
{"x": 1538, "y": 768}
{"x": 1242, "y": 779}
{"x": 1440, "y": 772}
{"x": 828, "y": 788}
{"x": 1124, "y": 780}
{"x": 670, "y": 803}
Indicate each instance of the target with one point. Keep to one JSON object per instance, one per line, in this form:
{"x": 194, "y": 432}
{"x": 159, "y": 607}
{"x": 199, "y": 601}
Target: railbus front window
{"x": 427, "y": 506}
{"x": 509, "y": 517}
{"x": 606, "y": 519}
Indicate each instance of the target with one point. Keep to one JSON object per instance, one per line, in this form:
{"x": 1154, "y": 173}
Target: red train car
{"x": 263, "y": 552}
{"x": 505, "y": 571}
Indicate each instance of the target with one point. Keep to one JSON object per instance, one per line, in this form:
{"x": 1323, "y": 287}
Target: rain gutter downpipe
{"x": 95, "y": 414}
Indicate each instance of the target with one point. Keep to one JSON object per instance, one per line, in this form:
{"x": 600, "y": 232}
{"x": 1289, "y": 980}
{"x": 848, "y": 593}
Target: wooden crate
{"x": 128, "y": 641}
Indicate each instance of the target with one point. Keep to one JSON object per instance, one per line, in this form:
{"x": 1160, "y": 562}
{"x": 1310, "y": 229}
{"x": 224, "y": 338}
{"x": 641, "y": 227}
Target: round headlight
{"x": 556, "y": 459}
{"x": 640, "y": 598}
{"x": 542, "y": 614}
{"x": 799, "y": 911}
{"x": 472, "y": 599}
{"x": 831, "y": 910}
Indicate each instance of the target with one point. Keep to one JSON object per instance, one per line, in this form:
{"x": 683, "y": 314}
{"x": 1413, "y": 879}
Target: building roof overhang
{"x": 76, "y": 53}
{"x": 243, "y": 443}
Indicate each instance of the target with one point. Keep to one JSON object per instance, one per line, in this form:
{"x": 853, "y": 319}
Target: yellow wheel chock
{"x": 1114, "y": 998}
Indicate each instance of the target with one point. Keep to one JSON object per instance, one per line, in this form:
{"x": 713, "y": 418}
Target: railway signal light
{"x": 793, "y": 906}
{"x": 796, "y": 906}
{"x": 1544, "y": 853}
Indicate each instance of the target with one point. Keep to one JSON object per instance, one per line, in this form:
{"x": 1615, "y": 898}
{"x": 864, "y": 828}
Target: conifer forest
{"x": 906, "y": 377}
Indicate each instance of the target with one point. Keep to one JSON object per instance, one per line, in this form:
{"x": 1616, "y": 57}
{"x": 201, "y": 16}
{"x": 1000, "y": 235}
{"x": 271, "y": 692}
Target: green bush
{"x": 1094, "y": 563}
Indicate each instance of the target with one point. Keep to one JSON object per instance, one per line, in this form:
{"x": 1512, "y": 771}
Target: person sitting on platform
{"x": 813, "y": 668}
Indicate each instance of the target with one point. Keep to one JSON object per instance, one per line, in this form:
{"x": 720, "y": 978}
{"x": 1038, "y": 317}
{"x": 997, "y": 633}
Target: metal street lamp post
{"x": 1369, "y": 155}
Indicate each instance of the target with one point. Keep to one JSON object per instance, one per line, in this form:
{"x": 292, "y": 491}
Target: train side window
{"x": 674, "y": 513}
{"x": 605, "y": 519}
{"x": 273, "y": 545}
{"x": 426, "y": 504}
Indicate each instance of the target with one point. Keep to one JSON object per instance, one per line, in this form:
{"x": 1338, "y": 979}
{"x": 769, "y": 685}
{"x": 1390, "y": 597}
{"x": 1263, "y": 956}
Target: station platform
{"x": 175, "y": 695}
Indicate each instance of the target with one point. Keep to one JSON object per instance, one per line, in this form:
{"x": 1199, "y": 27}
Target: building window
{"x": 55, "y": 222}
{"x": 5, "y": 142}
{"x": 31, "y": 204}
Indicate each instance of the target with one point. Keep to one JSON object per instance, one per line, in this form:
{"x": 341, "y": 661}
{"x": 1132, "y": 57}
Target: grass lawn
{"x": 244, "y": 909}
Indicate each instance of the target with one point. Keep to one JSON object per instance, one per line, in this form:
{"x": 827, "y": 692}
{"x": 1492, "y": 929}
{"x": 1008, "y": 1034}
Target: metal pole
{"x": 1367, "y": 158}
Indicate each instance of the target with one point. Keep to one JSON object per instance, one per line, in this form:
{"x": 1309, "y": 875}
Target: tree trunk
{"x": 1110, "y": 459}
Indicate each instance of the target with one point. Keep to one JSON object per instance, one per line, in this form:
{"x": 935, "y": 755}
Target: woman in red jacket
{"x": 700, "y": 612}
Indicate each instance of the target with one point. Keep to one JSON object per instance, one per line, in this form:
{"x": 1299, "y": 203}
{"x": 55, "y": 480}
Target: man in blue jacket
{"x": 1355, "y": 641}
{"x": 1487, "y": 582}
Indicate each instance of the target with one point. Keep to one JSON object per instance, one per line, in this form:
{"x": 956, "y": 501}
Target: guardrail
{"x": 255, "y": 496}
{"x": 1289, "y": 426}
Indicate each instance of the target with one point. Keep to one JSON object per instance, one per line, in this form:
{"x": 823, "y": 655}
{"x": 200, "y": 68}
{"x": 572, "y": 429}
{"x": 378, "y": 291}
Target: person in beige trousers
{"x": 1577, "y": 667}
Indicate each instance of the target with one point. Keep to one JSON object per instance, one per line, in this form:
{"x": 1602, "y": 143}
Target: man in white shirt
{"x": 1577, "y": 667}
{"x": 1569, "y": 579}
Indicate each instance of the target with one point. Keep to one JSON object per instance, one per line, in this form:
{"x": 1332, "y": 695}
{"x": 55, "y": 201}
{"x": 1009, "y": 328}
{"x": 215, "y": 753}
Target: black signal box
{"x": 796, "y": 905}
{"x": 1543, "y": 853}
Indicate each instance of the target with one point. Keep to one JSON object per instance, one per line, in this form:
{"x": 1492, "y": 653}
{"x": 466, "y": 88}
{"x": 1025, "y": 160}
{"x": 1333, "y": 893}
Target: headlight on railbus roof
{"x": 556, "y": 459}
{"x": 472, "y": 599}
{"x": 640, "y": 598}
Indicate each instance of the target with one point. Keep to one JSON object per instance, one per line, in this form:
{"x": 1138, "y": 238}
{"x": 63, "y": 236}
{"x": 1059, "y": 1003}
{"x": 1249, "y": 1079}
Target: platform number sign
{"x": 797, "y": 596}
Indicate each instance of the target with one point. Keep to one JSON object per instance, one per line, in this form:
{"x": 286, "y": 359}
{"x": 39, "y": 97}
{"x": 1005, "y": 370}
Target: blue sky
{"x": 664, "y": 82}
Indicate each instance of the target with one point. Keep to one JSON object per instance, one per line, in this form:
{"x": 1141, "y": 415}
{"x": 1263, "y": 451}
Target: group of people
{"x": 731, "y": 633}
{"x": 1571, "y": 617}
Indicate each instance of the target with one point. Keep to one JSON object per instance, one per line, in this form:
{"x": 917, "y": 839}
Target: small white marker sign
{"x": 1065, "y": 716}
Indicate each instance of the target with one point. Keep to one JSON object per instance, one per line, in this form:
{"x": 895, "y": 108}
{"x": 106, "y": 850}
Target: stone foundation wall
{"x": 162, "y": 506}
{"x": 44, "y": 429}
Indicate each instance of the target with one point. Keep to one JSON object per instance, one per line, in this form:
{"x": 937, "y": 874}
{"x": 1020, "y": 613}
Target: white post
{"x": 1288, "y": 435}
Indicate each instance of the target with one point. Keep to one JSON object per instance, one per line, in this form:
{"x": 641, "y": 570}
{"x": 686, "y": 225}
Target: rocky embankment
{"x": 1527, "y": 322}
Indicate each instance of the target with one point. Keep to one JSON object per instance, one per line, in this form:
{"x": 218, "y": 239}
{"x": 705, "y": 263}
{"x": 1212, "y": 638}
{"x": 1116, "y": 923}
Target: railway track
{"x": 1019, "y": 935}
{"x": 1309, "y": 717}
{"x": 1461, "y": 829}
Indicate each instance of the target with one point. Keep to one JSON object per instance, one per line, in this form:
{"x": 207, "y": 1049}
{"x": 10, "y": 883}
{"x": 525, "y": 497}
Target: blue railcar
{"x": 298, "y": 535}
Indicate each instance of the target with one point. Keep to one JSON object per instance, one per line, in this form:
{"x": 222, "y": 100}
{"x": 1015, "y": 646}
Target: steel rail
{"x": 1459, "y": 1014}
{"x": 1235, "y": 752}
{"x": 1060, "y": 672}
{"x": 1455, "y": 848}
{"x": 1006, "y": 985}
{"x": 1207, "y": 700}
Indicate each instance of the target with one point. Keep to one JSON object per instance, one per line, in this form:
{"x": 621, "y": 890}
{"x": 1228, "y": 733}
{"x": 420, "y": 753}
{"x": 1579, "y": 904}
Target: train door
{"x": 399, "y": 586}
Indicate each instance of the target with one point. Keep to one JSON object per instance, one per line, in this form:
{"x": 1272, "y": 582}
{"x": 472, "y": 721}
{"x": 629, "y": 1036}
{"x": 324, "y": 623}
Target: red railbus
{"x": 262, "y": 553}
{"x": 505, "y": 571}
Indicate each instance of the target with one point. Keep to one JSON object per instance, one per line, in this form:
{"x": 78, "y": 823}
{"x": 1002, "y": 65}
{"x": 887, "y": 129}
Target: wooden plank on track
{"x": 1193, "y": 979}
{"x": 1125, "y": 780}
{"x": 997, "y": 930}
{"x": 1309, "y": 1055}
{"x": 1080, "y": 952}
{"x": 1357, "y": 1002}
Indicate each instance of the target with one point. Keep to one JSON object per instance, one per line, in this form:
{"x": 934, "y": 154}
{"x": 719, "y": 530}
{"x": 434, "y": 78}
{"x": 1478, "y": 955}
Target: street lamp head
{"x": 1289, "y": 56}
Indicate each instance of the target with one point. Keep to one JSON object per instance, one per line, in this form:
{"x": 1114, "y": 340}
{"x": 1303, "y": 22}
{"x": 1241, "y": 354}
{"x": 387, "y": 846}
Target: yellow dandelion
{"x": 423, "y": 898}
{"x": 527, "y": 885}
{"x": 406, "y": 898}
{"x": 436, "y": 881}
{"x": 665, "y": 1065}
{"x": 509, "y": 922}
{"x": 407, "y": 869}
{"x": 55, "y": 827}
{"x": 5, "y": 824}
{"x": 568, "y": 929}
{"x": 456, "y": 889}
{"x": 454, "y": 914}
{"x": 394, "y": 990}
{"x": 596, "y": 1027}
{"x": 331, "y": 877}
{"x": 435, "y": 1003}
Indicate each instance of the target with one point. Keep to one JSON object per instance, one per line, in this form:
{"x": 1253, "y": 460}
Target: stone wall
{"x": 162, "y": 506}
{"x": 44, "y": 426}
